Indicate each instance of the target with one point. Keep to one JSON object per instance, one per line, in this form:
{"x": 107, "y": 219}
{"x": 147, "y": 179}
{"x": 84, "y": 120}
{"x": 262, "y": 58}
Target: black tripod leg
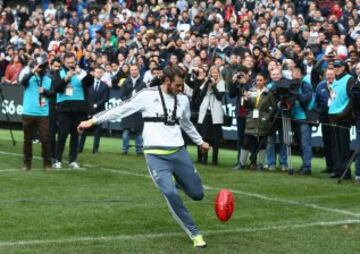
{"x": 348, "y": 164}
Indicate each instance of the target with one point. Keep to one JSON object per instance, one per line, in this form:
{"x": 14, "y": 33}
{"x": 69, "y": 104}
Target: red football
{"x": 224, "y": 205}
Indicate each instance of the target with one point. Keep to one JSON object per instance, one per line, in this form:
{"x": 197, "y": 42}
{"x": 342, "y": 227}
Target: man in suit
{"x": 133, "y": 123}
{"x": 97, "y": 94}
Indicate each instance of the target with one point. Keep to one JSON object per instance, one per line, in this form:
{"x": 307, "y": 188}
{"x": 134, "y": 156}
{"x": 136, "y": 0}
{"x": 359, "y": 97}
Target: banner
{"x": 11, "y": 103}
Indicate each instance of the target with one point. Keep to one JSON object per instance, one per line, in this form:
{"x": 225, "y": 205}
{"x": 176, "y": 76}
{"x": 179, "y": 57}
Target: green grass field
{"x": 112, "y": 206}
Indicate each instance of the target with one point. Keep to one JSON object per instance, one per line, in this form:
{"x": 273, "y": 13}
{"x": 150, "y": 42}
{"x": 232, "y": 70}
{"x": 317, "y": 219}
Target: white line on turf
{"x": 255, "y": 195}
{"x": 172, "y": 234}
{"x": 9, "y": 170}
{"x": 250, "y": 194}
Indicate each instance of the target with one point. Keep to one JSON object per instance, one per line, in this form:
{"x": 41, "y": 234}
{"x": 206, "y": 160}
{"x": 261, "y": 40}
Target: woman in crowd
{"x": 261, "y": 106}
{"x": 211, "y": 114}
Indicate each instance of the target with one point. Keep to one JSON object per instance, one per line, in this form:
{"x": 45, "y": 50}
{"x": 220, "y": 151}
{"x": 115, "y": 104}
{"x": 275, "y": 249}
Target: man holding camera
{"x": 36, "y": 111}
{"x": 72, "y": 108}
{"x": 240, "y": 83}
{"x": 299, "y": 113}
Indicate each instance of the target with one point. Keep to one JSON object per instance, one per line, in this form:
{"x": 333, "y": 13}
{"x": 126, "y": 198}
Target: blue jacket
{"x": 322, "y": 95}
{"x": 32, "y": 99}
{"x": 304, "y": 100}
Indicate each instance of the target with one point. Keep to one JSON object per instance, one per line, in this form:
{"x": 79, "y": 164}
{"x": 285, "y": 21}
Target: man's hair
{"x": 68, "y": 55}
{"x": 172, "y": 72}
{"x": 99, "y": 67}
{"x": 55, "y": 60}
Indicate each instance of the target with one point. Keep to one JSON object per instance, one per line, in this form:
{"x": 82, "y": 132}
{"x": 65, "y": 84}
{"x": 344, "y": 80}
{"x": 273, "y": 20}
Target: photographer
{"x": 55, "y": 66}
{"x": 211, "y": 114}
{"x": 276, "y": 79}
{"x": 36, "y": 111}
{"x": 195, "y": 80}
{"x": 240, "y": 83}
{"x": 261, "y": 106}
{"x": 340, "y": 114}
{"x": 299, "y": 114}
{"x": 72, "y": 108}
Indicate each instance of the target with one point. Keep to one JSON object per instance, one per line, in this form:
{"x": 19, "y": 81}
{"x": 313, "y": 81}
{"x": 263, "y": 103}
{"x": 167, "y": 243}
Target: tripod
{"x": 8, "y": 119}
{"x": 287, "y": 136}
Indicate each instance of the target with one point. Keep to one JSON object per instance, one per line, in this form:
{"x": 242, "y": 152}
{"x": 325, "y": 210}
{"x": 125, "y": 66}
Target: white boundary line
{"x": 255, "y": 195}
{"x": 172, "y": 234}
{"x": 9, "y": 170}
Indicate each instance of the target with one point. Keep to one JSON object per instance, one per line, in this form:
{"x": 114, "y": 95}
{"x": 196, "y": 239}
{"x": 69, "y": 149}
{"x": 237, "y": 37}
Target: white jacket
{"x": 215, "y": 106}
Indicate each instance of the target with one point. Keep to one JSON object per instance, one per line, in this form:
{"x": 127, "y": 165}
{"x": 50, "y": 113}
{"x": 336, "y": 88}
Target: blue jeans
{"x": 303, "y": 133}
{"x": 270, "y": 150}
{"x": 357, "y": 161}
{"x": 126, "y": 140}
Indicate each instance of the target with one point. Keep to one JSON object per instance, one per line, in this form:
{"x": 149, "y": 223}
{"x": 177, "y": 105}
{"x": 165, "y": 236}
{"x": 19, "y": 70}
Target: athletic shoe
{"x": 357, "y": 179}
{"x": 74, "y": 165}
{"x": 271, "y": 168}
{"x": 57, "y": 165}
{"x": 284, "y": 168}
{"x": 199, "y": 241}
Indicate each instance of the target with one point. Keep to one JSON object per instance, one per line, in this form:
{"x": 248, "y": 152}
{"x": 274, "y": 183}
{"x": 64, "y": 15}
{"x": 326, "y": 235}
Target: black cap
{"x": 339, "y": 63}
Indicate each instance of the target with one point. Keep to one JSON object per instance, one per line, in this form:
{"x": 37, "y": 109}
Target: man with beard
{"x": 165, "y": 112}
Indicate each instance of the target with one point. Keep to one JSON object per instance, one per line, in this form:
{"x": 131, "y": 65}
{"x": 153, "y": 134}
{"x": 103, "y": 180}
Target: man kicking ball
{"x": 165, "y": 110}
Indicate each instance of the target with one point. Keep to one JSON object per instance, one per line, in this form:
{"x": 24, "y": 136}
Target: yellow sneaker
{"x": 199, "y": 241}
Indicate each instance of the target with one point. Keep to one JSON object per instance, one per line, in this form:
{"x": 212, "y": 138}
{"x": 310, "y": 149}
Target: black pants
{"x": 254, "y": 144}
{"x": 340, "y": 146}
{"x": 68, "y": 122}
{"x": 97, "y": 132}
{"x": 53, "y": 123}
{"x": 326, "y": 135}
{"x": 211, "y": 133}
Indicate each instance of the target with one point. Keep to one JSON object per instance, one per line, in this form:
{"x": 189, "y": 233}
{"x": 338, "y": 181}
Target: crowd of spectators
{"x": 213, "y": 40}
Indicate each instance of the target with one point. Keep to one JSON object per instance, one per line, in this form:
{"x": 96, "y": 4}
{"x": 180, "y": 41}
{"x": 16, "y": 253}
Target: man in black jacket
{"x": 97, "y": 94}
{"x": 133, "y": 123}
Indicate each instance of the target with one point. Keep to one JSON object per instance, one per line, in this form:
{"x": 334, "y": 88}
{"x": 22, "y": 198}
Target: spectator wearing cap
{"x": 340, "y": 115}
{"x": 36, "y": 111}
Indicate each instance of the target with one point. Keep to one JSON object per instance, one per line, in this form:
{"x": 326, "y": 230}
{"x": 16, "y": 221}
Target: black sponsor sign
{"x": 12, "y": 105}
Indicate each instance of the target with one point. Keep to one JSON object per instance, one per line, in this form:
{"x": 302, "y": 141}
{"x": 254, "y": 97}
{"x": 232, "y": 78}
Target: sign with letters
{"x": 11, "y": 106}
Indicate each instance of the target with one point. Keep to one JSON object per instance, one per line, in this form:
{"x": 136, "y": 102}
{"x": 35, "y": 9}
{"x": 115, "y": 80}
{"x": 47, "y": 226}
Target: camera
{"x": 170, "y": 121}
{"x": 286, "y": 92}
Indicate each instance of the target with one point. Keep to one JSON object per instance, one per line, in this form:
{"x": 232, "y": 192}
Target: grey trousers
{"x": 165, "y": 170}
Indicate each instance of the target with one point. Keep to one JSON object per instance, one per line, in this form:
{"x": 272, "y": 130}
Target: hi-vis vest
{"x": 338, "y": 93}
{"x": 78, "y": 92}
{"x": 31, "y": 100}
